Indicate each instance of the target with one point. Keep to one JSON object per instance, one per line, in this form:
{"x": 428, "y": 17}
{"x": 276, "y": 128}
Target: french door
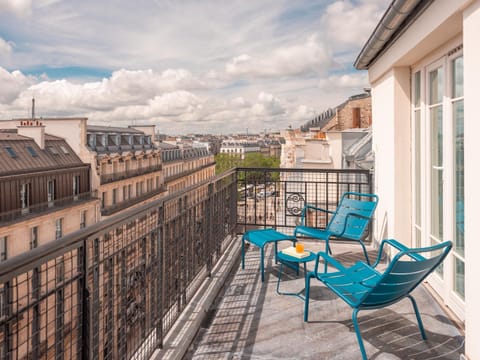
{"x": 438, "y": 170}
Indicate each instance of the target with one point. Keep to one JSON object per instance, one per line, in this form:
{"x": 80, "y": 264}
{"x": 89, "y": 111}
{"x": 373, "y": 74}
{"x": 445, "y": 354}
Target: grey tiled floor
{"x": 251, "y": 321}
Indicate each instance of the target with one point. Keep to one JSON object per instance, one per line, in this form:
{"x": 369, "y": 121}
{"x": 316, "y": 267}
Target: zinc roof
{"x": 20, "y": 154}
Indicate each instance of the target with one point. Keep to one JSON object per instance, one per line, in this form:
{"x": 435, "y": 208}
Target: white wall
{"x": 383, "y": 136}
{"x": 471, "y": 53}
{"x": 391, "y": 144}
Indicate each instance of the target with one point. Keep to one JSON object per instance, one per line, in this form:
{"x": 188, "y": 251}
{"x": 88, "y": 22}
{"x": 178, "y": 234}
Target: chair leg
{"x": 365, "y": 252}
{"x": 359, "y": 335}
{"x": 307, "y": 297}
{"x": 419, "y": 318}
{"x": 262, "y": 266}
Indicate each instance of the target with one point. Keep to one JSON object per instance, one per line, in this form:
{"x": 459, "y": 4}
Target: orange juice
{"x": 300, "y": 248}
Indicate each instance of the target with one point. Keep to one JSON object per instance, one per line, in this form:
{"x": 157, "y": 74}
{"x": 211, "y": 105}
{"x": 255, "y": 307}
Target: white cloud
{"x": 12, "y": 84}
{"x": 357, "y": 80}
{"x": 311, "y": 57}
{"x": 349, "y": 24}
{"x": 18, "y": 7}
{"x": 219, "y": 66}
{"x": 5, "y": 47}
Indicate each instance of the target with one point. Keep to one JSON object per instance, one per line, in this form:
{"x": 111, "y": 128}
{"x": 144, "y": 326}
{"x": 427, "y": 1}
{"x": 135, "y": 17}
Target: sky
{"x": 187, "y": 66}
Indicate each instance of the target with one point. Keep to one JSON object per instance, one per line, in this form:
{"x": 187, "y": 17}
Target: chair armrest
{"x": 329, "y": 260}
{"x": 311, "y": 207}
{"x": 399, "y": 246}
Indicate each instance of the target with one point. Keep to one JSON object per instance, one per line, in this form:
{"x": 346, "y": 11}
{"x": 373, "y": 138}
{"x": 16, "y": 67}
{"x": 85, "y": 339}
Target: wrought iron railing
{"x": 121, "y": 175}
{"x": 276, "y": 197}
{"x": 44, "y": 207}
{"x": 113, "y": 289}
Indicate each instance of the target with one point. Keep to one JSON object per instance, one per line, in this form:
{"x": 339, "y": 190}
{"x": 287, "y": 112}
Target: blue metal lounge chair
{"x": 349, "y": 221}
{"x": 363, "y": 287}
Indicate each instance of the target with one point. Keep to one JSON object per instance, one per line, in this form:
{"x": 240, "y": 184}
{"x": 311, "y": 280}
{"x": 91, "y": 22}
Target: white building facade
{"x": 423, "y": 65}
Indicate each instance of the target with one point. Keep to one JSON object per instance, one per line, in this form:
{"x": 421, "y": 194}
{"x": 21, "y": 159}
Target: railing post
{"x": 84, "y": 303}
{"x": 184, "y": 247}
{"x": 209, "y": 227}
{"x": 161, "y": 272}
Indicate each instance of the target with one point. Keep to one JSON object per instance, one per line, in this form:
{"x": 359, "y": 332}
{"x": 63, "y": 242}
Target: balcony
{"x": 45, "y": 207}
{"x": 122, "y": 175}
{"x": 124, "y": 287}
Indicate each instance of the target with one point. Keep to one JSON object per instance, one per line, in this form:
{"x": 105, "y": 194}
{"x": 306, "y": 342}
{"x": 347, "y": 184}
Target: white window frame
{"x": 444, "y": 287}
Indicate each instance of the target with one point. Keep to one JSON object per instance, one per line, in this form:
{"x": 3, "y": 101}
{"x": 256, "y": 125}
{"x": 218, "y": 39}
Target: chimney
{"x": 34, "y": 130}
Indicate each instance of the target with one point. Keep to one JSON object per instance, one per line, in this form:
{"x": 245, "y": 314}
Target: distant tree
{"x": 225, "y": 162}
{"x": 257, "y": 160}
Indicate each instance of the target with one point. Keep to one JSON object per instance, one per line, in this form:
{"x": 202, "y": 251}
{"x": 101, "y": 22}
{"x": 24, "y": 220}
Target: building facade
{"x": 422, "y": 62}
{"x": 239, "y": 147}
{"x": 45, "y": 189}
{"x": 127, "y": 167}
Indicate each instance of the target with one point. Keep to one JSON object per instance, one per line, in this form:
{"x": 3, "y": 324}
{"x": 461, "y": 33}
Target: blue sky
{"x": 204, "y": 66}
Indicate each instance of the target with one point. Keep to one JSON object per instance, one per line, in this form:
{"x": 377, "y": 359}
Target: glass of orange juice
{"x": 300, "y": 248}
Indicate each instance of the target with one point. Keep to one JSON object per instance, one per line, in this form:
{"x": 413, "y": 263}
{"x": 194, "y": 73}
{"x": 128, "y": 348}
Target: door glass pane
{"x": 436, "y": 86}
{"x": 459, "y": 178}
{"x": 417, "y": 89}
{"x": 459, "y": 278}
{"x": 436, "y": 174}
{"x": 457, "y": 77}
{"x": 418, "y": 203}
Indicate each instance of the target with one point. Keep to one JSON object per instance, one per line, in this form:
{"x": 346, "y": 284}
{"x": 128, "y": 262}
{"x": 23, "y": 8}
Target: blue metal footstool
{"x": 261, "y": 238}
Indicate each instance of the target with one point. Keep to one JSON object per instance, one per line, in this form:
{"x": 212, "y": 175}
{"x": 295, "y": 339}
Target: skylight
{"x": 64, "y": 149}
{"x": 32, "y": 151}
{"x": 53, "y": 150}
{"x": 11, "y": 152}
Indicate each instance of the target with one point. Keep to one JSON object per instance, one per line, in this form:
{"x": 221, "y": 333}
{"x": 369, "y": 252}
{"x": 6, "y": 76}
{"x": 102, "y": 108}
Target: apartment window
{"x": 3, "y": 248}
{"x": 51, "y": 190}
{"x": 125, "y": 192}
{"x": 91, "y": 140}
{"x": 83, "y": 219}
{"x": 104, "y": 199}
{"x": 157, "y": 182}
{"x": 58, "y": 228}
{"x": 25, "y": 195}
{"x": 139, "y": 188}
{"x": 33, "y": 237}
{"x": 114, "y": 196}
{"x": 76, "y": 185}
{"x": 130, "y": 187}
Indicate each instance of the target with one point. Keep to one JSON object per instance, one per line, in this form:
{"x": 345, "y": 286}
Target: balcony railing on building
{"x": 121, "y": 175}
{"x": 51, "y": 205}
{"x": 115, "y": 288}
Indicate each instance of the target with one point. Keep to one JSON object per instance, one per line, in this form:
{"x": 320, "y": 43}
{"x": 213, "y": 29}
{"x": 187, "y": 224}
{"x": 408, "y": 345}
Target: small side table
{"x": 284, "y": 258}
{"x": 261, "y": 238}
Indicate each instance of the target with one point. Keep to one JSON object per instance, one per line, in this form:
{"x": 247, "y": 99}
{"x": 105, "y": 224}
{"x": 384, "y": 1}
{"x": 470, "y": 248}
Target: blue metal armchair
{"x": 349, "y": 221}
{"x": 363, "y": 287}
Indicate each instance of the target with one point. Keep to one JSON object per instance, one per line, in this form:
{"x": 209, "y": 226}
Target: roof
{"x": 113, "y": 129}
{"x": 398, "y": 17}
{"x": 20, "y": 154}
